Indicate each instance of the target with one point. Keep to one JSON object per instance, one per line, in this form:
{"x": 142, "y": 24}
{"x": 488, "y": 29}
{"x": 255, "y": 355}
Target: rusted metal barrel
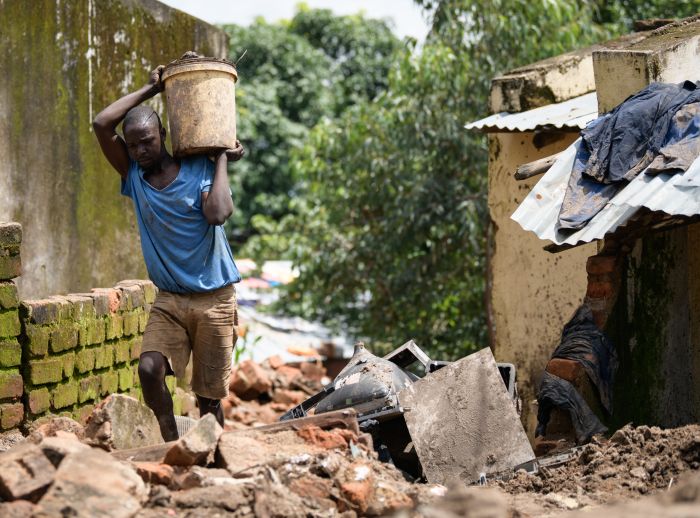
{"x": 201, "y": 97}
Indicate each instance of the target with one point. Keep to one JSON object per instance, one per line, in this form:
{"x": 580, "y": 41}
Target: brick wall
{"x": 63, "y": 354}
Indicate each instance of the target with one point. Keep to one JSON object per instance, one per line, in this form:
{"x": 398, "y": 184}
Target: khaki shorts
{"x": 201, "y": 324}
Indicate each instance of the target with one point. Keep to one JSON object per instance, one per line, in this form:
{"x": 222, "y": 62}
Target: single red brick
{"x": 600, "y": 264}
{"x": 155, "y": 472}
{"x": 600, "y": 290}
{"x": 275, "y": 362}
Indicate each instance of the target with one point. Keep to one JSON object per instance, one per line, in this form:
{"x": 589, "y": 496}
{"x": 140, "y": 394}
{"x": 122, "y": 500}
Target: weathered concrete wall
{"x": 533, "y": 293}
{"x": 62, "y": 62}
{"x": 655, "y": 326}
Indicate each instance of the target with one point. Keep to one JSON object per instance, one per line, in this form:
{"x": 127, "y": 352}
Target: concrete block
{"x": 136, "y": 346}
{"x": 667, "y": 55}
{"x": 10, "y": 353}
{"x": 114, "y": 326}
{"x": 9, "y": 299}
{"x": 37, "y": 340}
{"x": 126, "y": 379}
{"x": 197, "y": 446}
{"x": 11, "y": 384}
{"x": 104, "y": 356}
{"x": 44, "y": 311}
{"x": 100, "y": 302}
{"x": 110, "y": 383}
{"x": 113, "y": 297}
{"x": 25, "y": 473}
{"x": 89, "y": 388}
{"x": 121, "y": 422}
{"x": 463, "y": 422}
{"x": 82, "y": 307}
{"x": 65, "y": 308}
{"x": 68, "y": 364}
{"x": 11, "y": 415}
{"x": 9, "y": 323}
{"x": 112, "y": 489}
{"x": 63, "y": 337}
{"x": 10, "y": 235}
{"x": 143, "y": 321}
{"x": 45, "y": 371}
{"x": 122, "y": 351}
{"x": 10, "y": 266}
{"x": 85, "y": 360}
{"x": 131, "y": 323}
{"x": 65, "y": 395}
{"x": 39, "y": 400}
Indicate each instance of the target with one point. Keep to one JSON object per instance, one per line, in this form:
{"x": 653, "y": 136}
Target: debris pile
{"x": 633, "y": 462}
{"x": 317, "y": 466}
{"x": 261, "y": 393}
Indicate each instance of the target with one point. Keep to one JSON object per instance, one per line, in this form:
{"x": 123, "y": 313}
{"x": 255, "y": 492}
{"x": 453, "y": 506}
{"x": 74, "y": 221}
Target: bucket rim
{"x": 199, "y": 63}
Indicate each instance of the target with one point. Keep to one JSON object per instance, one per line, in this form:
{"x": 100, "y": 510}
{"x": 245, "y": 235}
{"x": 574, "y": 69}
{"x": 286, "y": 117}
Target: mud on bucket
{"x": 201, "y": 98}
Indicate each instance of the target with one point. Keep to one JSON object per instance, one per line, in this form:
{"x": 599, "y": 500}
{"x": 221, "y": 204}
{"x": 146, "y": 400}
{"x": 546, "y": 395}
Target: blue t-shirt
{"x": 183, "y": 253}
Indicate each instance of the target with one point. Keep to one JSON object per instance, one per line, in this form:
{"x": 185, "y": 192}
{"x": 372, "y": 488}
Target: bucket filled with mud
{"x": 200, "y": 93}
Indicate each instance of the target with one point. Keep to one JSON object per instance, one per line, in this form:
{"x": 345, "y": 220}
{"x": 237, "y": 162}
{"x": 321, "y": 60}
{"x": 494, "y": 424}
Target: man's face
{"x": 143, "y": 142}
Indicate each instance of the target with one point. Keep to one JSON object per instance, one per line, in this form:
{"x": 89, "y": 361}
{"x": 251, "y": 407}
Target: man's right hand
{"x": 155, "y": 81}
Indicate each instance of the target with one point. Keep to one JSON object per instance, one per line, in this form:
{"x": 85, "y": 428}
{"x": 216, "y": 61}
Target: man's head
{"x": 144, "y": 135}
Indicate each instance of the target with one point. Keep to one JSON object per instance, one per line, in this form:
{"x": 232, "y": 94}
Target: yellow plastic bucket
{"x": 201, "y": 99}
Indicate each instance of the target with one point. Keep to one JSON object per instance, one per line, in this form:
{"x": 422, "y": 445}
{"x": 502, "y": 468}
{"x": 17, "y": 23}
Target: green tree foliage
{"x": 391, "y": 233}
{"x": 291, "y": 76}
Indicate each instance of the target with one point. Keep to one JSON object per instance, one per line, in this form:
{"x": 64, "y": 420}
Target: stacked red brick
{"x": 11, "y": 384}
{"x": 81, "y": 347}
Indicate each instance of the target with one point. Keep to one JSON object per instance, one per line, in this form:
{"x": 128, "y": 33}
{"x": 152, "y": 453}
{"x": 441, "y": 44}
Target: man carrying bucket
{"x": 180, "y": 206}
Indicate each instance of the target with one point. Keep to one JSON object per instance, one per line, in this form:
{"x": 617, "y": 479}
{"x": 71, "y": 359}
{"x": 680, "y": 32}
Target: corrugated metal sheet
{"x": 572, "y": 114}
{"x": 677, "y": 194}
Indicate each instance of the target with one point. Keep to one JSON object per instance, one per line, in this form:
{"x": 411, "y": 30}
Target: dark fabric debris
{"x": 656, "y": 129}
{"x": 582, "y": 341}
{"x": 554, "y": 393}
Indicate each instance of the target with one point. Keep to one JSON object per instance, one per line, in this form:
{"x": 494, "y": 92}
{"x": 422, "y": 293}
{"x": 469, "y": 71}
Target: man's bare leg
{"x": 153, "y": 367}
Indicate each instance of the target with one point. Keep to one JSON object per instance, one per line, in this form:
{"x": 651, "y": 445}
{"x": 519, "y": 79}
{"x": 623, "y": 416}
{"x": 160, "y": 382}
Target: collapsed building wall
{"x": 61, "y": 355}
{"x": 62, "y": 63}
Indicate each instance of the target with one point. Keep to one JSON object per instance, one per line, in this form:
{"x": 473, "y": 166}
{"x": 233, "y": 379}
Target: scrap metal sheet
{"x": 572, "y": 114}
{"x": 463, "y": 422}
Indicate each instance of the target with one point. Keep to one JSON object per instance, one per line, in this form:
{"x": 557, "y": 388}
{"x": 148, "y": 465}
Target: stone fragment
{"x": 155, "y": 473}
{"x": 91, "y": 483}
{"x": 250, "y": 380}
{"x": 198, "y": 476}
{"x": 12, "y": 415}
{"x": 62, "y": 444}
{"x": 17, "y": 509}
{"x": 10, "y": 439}
{"x": 275, "y": 362}
{"x": 286, "y": 374}
{"x": 50, "y": 426}
{"x": 327, "y": 439}
{"x": 121, "y": 422}
{"x": 313, "y": 370}
{"x": 196, "y": 446}
{"x": 25, "y": 472}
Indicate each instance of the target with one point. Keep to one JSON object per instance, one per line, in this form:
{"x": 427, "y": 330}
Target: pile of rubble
{"x": 261, "y": 393}
{"x": 321, "y": 466}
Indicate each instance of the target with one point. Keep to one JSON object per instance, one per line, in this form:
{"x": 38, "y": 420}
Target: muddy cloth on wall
{"x": 555, "y": 392}
{"x": 656, "y": 130}
{"x": 582, "y": 341}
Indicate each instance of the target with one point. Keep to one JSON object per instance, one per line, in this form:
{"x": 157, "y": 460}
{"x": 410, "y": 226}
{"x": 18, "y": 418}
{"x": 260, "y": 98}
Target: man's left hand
{"x": 235, "y": 154}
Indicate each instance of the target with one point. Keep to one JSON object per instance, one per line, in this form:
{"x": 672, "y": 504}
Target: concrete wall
{"x": 62, "y": 62}
{"x": 532, "y": 293}
{"x": 655, "y": 326}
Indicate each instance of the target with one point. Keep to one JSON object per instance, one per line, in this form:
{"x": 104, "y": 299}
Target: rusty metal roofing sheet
{"x": 677, "y": 194}
{"x": 572, "y": 114}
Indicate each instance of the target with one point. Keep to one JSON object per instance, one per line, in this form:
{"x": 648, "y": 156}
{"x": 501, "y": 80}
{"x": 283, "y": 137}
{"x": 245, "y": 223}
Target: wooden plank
{"x": 346, "y": 418}
{"x": 531, "y": 169}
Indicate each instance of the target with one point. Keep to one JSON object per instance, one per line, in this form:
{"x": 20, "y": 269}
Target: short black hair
{"x": 140, "y": 114}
